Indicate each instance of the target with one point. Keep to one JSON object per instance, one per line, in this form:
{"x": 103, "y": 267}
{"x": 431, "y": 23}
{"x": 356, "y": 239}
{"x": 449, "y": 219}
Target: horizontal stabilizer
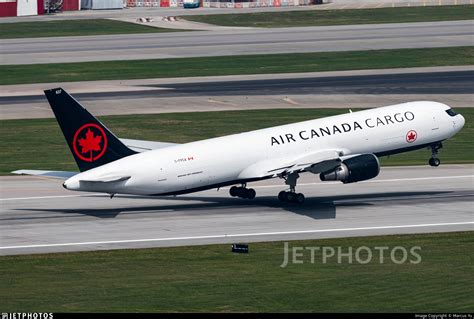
{"x": 143, "y": 146}
{"x": 106, "y": 180}
{"x": 51, "y": 174}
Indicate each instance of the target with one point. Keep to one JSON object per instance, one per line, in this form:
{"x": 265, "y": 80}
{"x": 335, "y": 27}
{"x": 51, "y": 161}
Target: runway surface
{"x": 459, "y": 82}
{"x": 38, "y": 216}
{"x": 274, "y": 91}
{"x": 233, "y": 42}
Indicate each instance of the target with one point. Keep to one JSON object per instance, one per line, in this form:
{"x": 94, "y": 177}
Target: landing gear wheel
{"x": 234, "y": 191}
{"x": 250, "y": 193}
{"x": 290, "y": 197}
{"x": 434, "y": 162}
{"x": 242, "y": 192}
{"x": 282, "y": 196}
{"x": 299, "y": 198}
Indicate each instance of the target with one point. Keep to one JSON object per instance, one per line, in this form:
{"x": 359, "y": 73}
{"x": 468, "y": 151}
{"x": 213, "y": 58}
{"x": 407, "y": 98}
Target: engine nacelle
{"x": 354, "y": 169}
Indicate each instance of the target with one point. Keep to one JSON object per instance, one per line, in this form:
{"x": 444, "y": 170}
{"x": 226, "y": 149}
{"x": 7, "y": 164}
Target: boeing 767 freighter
{"x": 342, "y": 148}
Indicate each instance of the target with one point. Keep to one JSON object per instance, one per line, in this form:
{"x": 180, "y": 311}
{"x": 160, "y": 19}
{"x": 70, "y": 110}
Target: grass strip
{"x": 63, "y": 28}
{"x": 338, "y": 17}
{"x": 211, "y": 278}
{"x": 243, "y": 64}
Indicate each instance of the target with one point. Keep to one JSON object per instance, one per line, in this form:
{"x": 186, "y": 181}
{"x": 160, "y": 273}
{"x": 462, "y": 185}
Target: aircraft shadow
{"x": 314, "y": 207}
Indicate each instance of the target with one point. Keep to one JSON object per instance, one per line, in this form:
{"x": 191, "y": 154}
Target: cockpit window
{"x": 451, "y": 112}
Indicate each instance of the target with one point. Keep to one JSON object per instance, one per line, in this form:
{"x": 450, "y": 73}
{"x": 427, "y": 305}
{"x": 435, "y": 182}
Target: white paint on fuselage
{"x": 221, "y": 160}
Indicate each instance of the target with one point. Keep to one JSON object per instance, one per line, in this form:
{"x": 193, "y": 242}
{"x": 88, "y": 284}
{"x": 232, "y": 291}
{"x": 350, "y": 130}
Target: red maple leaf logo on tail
{"x": 93, "y": 142}
{"x": 90, "y": 143}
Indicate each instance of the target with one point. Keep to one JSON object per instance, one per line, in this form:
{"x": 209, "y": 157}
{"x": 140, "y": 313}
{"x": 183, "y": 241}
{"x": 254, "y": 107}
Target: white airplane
{"x": 344, "y": 148}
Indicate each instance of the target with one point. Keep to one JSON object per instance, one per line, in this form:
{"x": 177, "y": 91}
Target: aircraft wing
{"x": 143, "y": 146}
{"x": 51, "y": 174}
{"x": 316, "y": 162}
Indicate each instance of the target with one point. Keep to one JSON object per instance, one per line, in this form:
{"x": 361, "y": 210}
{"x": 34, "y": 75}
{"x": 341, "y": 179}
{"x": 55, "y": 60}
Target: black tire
{"x": 299, "y": 198}
{"x": 290, "y": 197}
{"x": 250, "y": 193}
{"x": 234, "y": 190}
{"x": 282, "y": 196}
{"x": 434, "y": 162}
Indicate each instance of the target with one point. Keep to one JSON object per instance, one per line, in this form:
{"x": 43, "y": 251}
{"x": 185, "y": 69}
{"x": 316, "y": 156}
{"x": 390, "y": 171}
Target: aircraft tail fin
{"x": 90, "y": 142}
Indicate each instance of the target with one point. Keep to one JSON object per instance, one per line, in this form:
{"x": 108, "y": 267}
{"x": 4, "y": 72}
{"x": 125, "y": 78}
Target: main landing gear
{"x": 242, "y": 192}
{"x": 291, "y": 196}
{"x": 434, "y": 160}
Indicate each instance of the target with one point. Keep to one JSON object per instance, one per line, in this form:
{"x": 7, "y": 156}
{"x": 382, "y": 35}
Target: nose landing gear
{"x": 434, "y": 160}
{"x": 242, "y": 192}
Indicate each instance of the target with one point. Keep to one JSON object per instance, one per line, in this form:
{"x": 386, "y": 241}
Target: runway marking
{"x": 235, "y": 235}
{"x": 264, "y": 186}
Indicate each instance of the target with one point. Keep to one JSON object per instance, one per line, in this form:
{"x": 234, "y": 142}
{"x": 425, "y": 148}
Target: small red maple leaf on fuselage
{"x": 90, "y": 143}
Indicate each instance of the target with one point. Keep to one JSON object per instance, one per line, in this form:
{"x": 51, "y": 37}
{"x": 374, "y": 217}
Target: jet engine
{"x": 354, "y": 169}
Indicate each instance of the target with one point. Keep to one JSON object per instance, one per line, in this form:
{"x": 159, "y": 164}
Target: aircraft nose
{"x": 65, "y": 185}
